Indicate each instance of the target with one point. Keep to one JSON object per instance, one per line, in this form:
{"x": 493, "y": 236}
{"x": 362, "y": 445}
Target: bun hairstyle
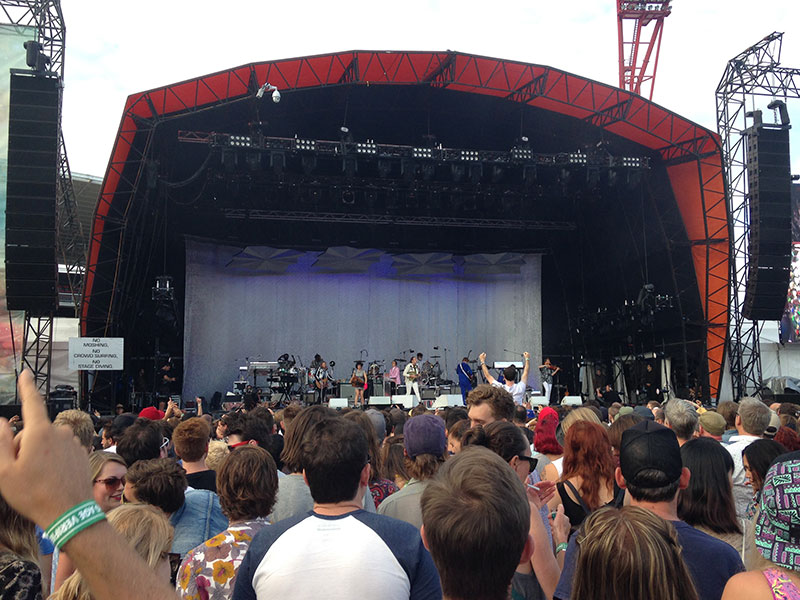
{"x": 501, "y": 437}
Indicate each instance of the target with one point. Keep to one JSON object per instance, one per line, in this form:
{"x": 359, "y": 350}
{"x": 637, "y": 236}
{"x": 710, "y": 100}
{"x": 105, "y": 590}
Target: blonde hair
{"x": 217, "y": 453}
{"x": 97, "y": 460}
{"x": 81, "y": 424}
{"x": 17, "y": 533}
{"x": 144, "y": 527}
{"x": 582, "y": 413}
{"x": 630, "y": 553}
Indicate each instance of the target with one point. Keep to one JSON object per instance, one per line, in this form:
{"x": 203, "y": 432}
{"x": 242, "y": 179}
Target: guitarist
{"x": 321, "y": 376}
{"x": 466, "y": 378}
{"x": 411, "y": 375}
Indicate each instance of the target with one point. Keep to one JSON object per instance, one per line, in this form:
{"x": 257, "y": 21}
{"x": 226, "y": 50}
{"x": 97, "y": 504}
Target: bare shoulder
{"x": 750, "y": 585}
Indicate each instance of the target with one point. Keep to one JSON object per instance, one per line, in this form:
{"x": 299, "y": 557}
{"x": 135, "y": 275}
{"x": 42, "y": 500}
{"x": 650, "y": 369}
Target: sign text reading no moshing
{"x": 96, "y": 354}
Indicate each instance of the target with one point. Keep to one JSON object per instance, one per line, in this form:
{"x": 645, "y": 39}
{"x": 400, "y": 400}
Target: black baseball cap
{"x": 648, "y": 446}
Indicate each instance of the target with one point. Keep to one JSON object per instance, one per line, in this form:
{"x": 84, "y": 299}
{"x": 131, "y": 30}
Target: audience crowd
{"x": 672, "y": 501}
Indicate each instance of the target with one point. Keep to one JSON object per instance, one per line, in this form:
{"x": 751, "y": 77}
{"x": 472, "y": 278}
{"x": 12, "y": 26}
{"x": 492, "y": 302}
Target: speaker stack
{"x": 770, "y": 249}
{"x": 31, "y": 266}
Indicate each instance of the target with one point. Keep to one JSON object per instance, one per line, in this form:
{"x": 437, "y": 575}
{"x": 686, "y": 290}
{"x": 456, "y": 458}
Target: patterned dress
{"x": 781, "y": 586}
{"x": 19, "y": 579}
{"x": 209, "y": 571}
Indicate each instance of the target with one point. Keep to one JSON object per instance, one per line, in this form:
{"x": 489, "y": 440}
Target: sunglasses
{"x": 532, "y": 462}
{"x": 111, "y": 483}
{"x": 232, "y": 447}
{"x": 164, "y": 443}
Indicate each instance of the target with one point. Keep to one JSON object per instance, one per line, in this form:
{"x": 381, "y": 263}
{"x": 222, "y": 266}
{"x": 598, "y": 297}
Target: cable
{"x": 191, "y": 178}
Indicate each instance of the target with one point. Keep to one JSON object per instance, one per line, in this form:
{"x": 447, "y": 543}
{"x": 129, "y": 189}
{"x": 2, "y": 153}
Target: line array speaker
{"x": 31, "y": 266}
{"x": 770, "y": 250}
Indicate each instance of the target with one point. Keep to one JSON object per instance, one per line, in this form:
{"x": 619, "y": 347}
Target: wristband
{"x": 72, "y": 522}
{"x": 561, "y": 547}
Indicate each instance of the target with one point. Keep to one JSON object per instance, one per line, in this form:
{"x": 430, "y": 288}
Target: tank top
{"x": 781, "y": 586}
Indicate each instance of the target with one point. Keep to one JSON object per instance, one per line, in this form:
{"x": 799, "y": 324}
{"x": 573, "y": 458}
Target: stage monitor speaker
{"x": 338, "y": 403}
{"x": 427, "y": 393}
{"x": 446, "y": 400}
{"x": 571, "y": 401}
{"x": 538, "y": 400}
{"x": 380, "y": 401}
{"x": 770, "y": 247}
{"x": 31, "y": 266}
{"x": 407, "y": 401}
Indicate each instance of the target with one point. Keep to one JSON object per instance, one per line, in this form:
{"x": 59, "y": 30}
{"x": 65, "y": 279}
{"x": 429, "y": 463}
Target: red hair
{"x": 544, "y": 435}
{"x": 788, "y": 438}
{"x": 587, "y": 454}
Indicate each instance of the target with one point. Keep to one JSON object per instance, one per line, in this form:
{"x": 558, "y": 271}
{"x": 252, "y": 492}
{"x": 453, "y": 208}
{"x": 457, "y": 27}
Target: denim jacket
{"x": 199, "y": 519}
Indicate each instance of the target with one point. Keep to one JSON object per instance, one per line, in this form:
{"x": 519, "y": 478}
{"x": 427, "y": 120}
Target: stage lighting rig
{"x": 163, "y": 290}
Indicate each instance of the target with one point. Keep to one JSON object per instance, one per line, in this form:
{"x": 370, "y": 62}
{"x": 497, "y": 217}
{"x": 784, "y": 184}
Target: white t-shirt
{"x": 515, "y": 389}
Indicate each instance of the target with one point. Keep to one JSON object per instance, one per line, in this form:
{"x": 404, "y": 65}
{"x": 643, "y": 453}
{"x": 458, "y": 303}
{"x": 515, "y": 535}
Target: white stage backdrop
{"x": 261, "y": 302}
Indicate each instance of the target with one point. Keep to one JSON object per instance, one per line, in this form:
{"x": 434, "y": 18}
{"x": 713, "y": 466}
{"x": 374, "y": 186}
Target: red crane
{"x": 638, "y": 42}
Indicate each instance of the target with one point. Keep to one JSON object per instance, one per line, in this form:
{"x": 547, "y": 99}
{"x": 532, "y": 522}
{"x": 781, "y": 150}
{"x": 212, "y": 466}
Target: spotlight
{"x": 469, "y": 155}
{"x": 301, "y": 144}
{"x": 368, "y": 147}
{"x": 422, "y": 153}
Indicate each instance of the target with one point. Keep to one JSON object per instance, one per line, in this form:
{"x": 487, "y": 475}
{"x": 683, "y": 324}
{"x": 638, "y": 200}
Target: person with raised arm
{"x": 44, "y": 475}
{"x": 516, "y": 389}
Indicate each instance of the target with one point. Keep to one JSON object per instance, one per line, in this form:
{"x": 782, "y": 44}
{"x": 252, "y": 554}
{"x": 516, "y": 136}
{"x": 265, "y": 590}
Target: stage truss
{"x": 688, "y": 151}
{"x": 754, "y": 72}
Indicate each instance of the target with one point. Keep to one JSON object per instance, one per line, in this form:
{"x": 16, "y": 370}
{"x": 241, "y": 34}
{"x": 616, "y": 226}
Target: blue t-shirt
{"x": 355, "y": 555}
{"x": 710, "y": 561}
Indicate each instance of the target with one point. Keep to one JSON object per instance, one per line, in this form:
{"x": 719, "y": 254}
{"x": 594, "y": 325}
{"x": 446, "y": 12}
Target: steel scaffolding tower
{"x": 639, "y": 45}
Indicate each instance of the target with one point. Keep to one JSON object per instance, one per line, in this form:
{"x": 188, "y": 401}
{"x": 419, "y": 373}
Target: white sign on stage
{"x": 96, "y": 354}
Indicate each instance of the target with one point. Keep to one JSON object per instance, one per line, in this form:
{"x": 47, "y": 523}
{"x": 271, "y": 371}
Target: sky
{"x": 111, "y": 54}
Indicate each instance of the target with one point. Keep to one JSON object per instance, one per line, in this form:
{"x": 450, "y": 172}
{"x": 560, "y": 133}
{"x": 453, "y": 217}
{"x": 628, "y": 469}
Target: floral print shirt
{"x": 209, "y": 571}
{"x": 19, "y": 579}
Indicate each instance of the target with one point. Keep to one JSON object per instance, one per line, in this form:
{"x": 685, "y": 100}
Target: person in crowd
{"x": 454, "y": 436}
{"x": 107, "y": 470}
{"x": 546, "y": 445}
{"x": 537, "y": 577}
{"x": 587, "y": 481}
{"x": 707, "y": 502}
{"x": 776, "y": 538}
{"x": 248, "y": 484}
{"x": 378, "y": 424}
{"x": 728, "y": 409}
{"x": 751, "y": 421}
{"x": 488, "y": 403}
{"x": 337, "y": 550}
{"x": 465, "y": 378}
{"x": 652, "y": 473}
{"x": 142, "y": 441}
{"x": 425, "y": 446}
{"x": 756, "y": 459}
{"x": 615, "y": 431}
{"x": 394, "y": 460}
{"x": 613, "y": 411}
{"x": 454, "y": 415}
{"x": 294, "y": 497}
{"x": 81, "y": 425}
{"x": 520, "y": 416}
{"x": 397, "y": 418}
{"x": 476, "y": 518}
{"x": 510, "y": 383}
{"x": 147, "y": 531}
{"x": 681, "y": 417}
{"x": 788, "y": 438}
{"x": 659, "y": 416}
{"x": 711, "y": 424}
{"x": 118, "y": 426}
{"x": 630, "y": 554}
{"x": 380, "y": 487}
{"x": 217, "y": 453}
{"x": 190, "y": 439}
{"x": 195, "y": 514}
{"x": 20, "y": 575}
{"x": 581, "y": 413}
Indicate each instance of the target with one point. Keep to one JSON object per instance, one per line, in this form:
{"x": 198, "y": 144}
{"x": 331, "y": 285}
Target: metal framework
{"x": 46, "y": 18}
{"x": 639, "y": 45}
{"x": 754, "y": 72}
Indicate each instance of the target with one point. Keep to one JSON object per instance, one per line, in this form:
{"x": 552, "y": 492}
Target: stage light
{"x": 470, "y": 155}
{"x": 577, "y": 158}
{"x": 422, "y": 153}
{"x": 522, "y": 153}
{"x": 631, "y": 161}
{"x": 368, "y": 147}
{"x": 268, "y": 87}
{"x": 276, "y": 96}
{"x": 308, "y": 145}
{"x": 242, "y": 141}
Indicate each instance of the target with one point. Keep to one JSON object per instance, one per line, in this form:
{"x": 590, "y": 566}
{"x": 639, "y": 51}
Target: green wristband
{"x": 72, "y": 522}
{"x": 562, "y": 546}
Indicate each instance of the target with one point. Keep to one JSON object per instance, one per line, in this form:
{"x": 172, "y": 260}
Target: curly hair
{"x": 247, "y": 483}
{"x": 587, "y": 454}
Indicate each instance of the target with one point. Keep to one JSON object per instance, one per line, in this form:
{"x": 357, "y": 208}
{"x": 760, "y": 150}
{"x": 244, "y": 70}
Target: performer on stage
{"x": 394, "y": 378}
{"x": 411, "y": 375}
{"x": 517, "y": 390}
{"x": 321, "y": 378}
{"x": 359, "y": 382}
{"x": 465, "y": 377}
{"x": 316, "y": 362}
{"x": 547, "y": 371}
